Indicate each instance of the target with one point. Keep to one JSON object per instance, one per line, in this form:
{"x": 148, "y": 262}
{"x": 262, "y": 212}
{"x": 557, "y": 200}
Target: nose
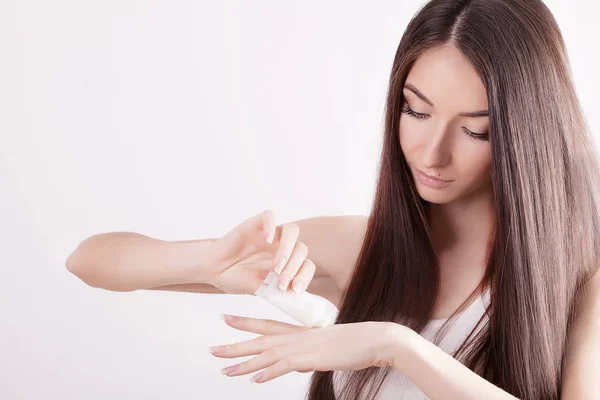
{"x": 437, "y": 149}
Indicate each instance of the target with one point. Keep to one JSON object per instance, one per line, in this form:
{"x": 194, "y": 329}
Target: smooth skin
{"x": 321, "y": 252}
{"x": 438, "y": 141}
{"x": 440, "y": 138}
{"x": 240, "y": 261}
{"x": 284, "y": 348}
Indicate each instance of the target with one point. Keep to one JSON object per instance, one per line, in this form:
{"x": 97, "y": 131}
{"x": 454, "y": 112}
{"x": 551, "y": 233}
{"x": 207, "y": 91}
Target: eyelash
{"x": 478, "y": 136}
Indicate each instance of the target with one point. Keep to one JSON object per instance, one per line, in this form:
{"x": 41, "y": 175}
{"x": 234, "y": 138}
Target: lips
{"x": 433, "y": 177}
{"x": 430, "y": 181}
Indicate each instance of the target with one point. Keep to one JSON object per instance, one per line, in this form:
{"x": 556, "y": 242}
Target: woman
{"x": 481, "y": 238}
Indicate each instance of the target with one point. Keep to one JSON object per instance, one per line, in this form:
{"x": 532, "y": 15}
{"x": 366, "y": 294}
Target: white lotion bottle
{"x": 306, "y": 308}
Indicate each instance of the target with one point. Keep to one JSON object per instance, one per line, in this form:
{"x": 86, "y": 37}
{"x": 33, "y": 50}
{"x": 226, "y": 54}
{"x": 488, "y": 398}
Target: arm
{"x": 440, "y": 376}
{"x": 126, "y": 261}
{"x": 582, "y": 366}
{"x": 435, "y": 372}
{"x": 333, "y": 242}
{"x": 321, "y": 285}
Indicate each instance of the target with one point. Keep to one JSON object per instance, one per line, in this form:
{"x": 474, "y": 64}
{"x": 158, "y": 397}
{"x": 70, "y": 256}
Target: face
{"x": 444, "y": 126}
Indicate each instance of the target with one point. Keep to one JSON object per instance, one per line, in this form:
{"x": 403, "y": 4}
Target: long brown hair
{"x": 545, "y": 180}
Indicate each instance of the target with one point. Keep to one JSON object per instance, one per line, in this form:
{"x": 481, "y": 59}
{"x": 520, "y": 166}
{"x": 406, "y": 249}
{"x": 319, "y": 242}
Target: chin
{"x": 435, "y": 198}
{"x": 435, "y": 195}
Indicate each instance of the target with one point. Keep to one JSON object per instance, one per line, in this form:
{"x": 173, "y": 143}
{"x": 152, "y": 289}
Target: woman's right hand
{"x": 243, "y": 258}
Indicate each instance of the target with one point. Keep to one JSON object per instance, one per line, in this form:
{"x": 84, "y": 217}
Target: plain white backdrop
{"x": 178, "y": 120}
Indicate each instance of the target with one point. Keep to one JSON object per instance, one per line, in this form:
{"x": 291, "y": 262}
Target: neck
{"x": 462, "y": 225}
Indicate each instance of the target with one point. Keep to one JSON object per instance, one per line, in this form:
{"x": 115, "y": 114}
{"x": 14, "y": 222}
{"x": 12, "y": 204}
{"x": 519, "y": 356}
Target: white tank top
{"x": 396, "y": 385}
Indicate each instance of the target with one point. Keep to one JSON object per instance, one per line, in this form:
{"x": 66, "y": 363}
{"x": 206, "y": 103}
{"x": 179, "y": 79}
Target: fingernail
{"x": 298, "y": 287}
{"x": 269, "y": 237}
{"x": 226, "y": 317}
{"x": 216, "y": 349}
{"x": 258, "y": 377}
{"x": 279, "y": 265}
{"x": 230, "y": 369}
{"x": 284, "y": 282}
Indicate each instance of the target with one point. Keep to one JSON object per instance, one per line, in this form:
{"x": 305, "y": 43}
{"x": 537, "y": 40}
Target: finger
{"x": 298, "y": 362}
{"x": 248, "y": 347}
{"x": 241, "y": 349}
{"x": 268, "y": 223}
{"x": 304, "y": 276}
{"x": 256, "y": 363}
{"x": 293, "y": 265}
{"x": 262, "y": 326}
{"x": 289, "y": 235}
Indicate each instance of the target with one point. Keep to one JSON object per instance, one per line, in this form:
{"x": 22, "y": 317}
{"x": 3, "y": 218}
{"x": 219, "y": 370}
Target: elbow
{"x": 72, "y": 265}
{"x": 81, "y": 270}
{"x": 77, "y": 269}
{"x": 94, "y": 277}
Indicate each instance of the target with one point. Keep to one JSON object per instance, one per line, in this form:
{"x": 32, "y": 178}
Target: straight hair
{"x": 545, "y": 181}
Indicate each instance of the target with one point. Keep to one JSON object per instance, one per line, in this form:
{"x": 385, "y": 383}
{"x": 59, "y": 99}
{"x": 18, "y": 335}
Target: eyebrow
{"x": 412, "y": 88}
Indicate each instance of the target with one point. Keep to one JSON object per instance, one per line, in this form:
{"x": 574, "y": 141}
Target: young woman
{"x": 481, "y": 239}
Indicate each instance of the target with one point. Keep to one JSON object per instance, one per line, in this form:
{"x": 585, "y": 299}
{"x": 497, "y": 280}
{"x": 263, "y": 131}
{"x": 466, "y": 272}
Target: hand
{"x": 284, "y": 348}
{"x": 244, "y": 257}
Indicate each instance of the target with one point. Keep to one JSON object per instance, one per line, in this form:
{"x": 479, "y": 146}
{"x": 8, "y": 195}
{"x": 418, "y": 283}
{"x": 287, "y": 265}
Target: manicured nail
{"x": 216, "y": 349}
{"x": 269, "y": 237}
{"x": 298, "y": 287}
{"x": 258, "y": 377}
{"x": 230, "y": 369}
{"x": 226, "y": 317}
{"x": 279, "y": 265}
{"x": 284, "y": 281}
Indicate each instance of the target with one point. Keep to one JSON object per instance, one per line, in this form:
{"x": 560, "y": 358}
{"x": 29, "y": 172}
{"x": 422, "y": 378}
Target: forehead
{"x": 448, "y": 78}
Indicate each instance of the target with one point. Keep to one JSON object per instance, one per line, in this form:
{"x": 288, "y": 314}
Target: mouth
{"x": 431, "y": 181}
{"x": 433, "y": 177}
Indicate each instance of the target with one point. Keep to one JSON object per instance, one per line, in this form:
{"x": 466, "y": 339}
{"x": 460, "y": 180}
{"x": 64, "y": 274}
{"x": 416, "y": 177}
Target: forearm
{"x": 436, "y": 373}
{"x": 125, "y": 261}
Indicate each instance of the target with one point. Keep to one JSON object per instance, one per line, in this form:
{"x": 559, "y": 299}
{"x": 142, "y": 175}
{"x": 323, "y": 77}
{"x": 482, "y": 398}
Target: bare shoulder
{"x": 334, "y": 243}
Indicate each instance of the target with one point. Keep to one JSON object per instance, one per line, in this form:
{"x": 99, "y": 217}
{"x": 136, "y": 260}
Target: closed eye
{"x": 414, "y": 114}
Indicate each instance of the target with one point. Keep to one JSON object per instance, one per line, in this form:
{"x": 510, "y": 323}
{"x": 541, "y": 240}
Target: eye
{"x": 479, "y": 136}
{"x": 414, "y": 114}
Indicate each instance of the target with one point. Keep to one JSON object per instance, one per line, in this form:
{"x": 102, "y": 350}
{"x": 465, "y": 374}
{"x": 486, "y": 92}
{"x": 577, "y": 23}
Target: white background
{"x": 178, "y": 120}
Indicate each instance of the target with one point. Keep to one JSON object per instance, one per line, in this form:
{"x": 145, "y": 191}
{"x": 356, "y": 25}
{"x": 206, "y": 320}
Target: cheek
{"x": 477, "y": 164}
{"x": 408, "y": 136}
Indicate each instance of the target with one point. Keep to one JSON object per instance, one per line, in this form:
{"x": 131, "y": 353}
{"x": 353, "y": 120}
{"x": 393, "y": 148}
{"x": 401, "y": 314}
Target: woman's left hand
{"x": 284, "y": 348}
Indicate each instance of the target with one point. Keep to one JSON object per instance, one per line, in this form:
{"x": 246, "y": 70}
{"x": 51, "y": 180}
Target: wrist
{"x": 196, "y": 258}
{"x": 396, "y": 344}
